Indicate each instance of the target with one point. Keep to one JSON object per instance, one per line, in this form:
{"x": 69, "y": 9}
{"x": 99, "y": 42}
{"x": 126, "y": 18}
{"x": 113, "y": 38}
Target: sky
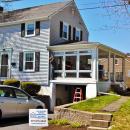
{"x": 107, "y": 25}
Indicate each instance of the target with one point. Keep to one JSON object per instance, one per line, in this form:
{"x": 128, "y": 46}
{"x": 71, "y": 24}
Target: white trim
{"x": 26, "y": 24}
{"x": 77, "y": 70}
{"x": 24, "y": 54}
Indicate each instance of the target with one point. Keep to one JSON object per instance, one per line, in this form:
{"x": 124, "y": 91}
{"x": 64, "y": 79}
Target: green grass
{"x": 59, "y": 122}
{"x": 121, "y": 118}
{"x": 95, "y": 104}
{"x": 75, "y": 125}
{"x": 65, "y": 122}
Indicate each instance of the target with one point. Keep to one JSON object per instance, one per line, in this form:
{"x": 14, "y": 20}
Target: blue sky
{"x": 110, "y": 26}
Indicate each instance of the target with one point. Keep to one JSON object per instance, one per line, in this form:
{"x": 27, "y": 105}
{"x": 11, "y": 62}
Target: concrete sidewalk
{"x": 20, "y": 127}
{"x": 115, "y": 106}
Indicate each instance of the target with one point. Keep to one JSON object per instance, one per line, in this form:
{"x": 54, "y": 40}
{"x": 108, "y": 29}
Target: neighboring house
{"x": 127, "y": 70}
{"x": 49, "y": 45}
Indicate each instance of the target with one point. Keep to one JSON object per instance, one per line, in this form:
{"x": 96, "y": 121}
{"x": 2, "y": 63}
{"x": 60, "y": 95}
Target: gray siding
{"x": 10, "y": 37}
{"x": 66, "y": 16}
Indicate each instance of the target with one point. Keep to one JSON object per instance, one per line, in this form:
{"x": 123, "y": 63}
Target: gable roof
{"x": 32, "y": 13}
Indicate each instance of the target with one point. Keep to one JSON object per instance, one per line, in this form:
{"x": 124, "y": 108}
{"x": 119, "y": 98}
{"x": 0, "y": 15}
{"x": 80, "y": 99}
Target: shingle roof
{"x": 32, "y": 12}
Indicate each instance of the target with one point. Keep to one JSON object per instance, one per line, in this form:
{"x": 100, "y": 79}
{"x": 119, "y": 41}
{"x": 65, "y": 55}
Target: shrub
{"x": 31, "y": 88}
{"x": 76, "y": 125}
{"x": 59, "y": 122}
{"x": 12, "y": 82}
{"x": 63, "y": 122}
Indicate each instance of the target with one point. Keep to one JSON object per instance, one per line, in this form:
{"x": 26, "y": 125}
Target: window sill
{"x": 27, "y": 36}
{"x": 29, "y": 71}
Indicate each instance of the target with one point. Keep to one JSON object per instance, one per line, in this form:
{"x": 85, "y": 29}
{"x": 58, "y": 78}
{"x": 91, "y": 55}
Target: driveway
{"x": 16, "y": 124}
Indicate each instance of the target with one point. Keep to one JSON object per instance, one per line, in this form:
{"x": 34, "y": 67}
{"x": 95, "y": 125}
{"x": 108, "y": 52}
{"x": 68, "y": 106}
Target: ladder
{"x": 78, "y": 95}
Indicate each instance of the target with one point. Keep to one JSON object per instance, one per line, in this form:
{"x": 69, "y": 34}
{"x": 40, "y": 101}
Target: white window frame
{"x": 24, "y": 62}
{"x": 26, "y": 25}
{"x": 79, "y": 30}
{"x": 77, "y": 54}
{"x": 85, "y": 71}
{"x": 65, "y": 24}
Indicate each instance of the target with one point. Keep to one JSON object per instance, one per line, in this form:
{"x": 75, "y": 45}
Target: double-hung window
{"x": 29, "y": 61}
{"x": 77, "y": 34}
{"x": 65, "y": 31}
{"x": 30, "y": 29}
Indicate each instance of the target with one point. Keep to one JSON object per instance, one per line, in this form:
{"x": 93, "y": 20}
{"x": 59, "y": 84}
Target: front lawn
{"x": 121, "y": 118}
{"x": 95, "y": 104}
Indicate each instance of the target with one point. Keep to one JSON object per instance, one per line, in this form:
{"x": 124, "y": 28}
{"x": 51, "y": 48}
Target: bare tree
{"x": 117, "y": 11}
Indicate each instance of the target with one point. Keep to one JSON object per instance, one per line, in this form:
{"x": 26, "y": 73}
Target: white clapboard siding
{"x": 10, "y": 37}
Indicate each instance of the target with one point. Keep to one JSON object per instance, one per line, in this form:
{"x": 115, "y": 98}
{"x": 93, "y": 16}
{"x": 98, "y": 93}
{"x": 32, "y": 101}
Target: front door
{"x": 4, "y": 68}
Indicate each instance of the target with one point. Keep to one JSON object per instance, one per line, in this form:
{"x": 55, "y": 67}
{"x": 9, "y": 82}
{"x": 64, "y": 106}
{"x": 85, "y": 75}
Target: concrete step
{"x": 102, "y": 116}
{"x": 96, "y": 128}
{"x": 100, "y": 123}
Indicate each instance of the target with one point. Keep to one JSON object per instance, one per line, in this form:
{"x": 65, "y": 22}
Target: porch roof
{"x": 85, "y": 45}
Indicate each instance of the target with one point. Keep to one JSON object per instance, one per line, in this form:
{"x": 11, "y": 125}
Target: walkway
{"x": 115, "y": 106}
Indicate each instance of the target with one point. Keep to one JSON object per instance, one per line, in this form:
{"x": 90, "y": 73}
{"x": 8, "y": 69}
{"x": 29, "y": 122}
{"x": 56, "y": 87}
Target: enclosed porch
{"x": 92, "y": 65}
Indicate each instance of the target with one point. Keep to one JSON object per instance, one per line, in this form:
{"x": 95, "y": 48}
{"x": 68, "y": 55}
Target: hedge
{"x": 31, "y": 88}
{"x": 12, "y": 82}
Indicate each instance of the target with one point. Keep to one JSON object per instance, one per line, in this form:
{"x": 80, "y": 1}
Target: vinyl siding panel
{"x": 66, "y": 16}
{"x": 10, "y": 37}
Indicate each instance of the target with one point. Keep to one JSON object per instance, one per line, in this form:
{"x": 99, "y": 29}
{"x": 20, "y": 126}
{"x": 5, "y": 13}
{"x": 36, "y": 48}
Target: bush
{"x": 76, "y": 125}
{"x": 31, "y": 88}
{"x": 59, "y": 122}
{"x": 12, "y": 82}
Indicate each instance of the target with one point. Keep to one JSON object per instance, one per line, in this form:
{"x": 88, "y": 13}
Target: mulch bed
{"x": 55, "y": 127}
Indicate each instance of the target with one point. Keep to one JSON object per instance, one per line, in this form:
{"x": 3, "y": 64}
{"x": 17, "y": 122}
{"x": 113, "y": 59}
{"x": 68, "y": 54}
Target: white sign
{"x": 38, "y": 117}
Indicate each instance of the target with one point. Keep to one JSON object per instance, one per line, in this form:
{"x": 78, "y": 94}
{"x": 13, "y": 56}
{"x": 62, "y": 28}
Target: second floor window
{"x": 77, "y": 34}
{"x": 30, "y": 29}
{"x": 65, "y": 31}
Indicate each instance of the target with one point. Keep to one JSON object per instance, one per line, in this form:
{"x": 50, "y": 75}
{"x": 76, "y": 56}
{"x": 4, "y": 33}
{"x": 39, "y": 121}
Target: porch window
{"x": 85, "y": 62}
{"x": 73, "y": 64}
{"x": 70, "y": 63}
{"x": 29, "y": 61}
{"x": 58, "y": 66}
{"x": 85, "y": 66}
{"x": 71, "y": 74}
{"x": 58, "y": 61}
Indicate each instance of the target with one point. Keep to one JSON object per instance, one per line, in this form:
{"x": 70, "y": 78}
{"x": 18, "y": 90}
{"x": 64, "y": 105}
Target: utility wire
{"x": 100, "y": 7}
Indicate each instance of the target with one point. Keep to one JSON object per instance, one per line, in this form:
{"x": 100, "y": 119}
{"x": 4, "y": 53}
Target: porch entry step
{"x": 78, "y": 95}
{"x": 100, "y": 123}
{"x": 96, "y": 128}
{"x": 102, "y": 116}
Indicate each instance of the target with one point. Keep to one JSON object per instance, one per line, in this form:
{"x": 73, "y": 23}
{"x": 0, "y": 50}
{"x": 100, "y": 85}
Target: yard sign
{"x": 38, "y": 117}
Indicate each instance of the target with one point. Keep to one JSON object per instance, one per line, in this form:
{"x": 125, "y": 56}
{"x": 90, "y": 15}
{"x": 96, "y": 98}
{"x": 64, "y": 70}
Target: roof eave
{"x": 89, "y": 45}
{"x": 22, "y": 21}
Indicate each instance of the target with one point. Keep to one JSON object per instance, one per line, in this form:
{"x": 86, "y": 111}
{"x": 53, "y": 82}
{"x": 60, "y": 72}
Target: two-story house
{"x": 48, "y": 45}
{"x": 26, "y": 33}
